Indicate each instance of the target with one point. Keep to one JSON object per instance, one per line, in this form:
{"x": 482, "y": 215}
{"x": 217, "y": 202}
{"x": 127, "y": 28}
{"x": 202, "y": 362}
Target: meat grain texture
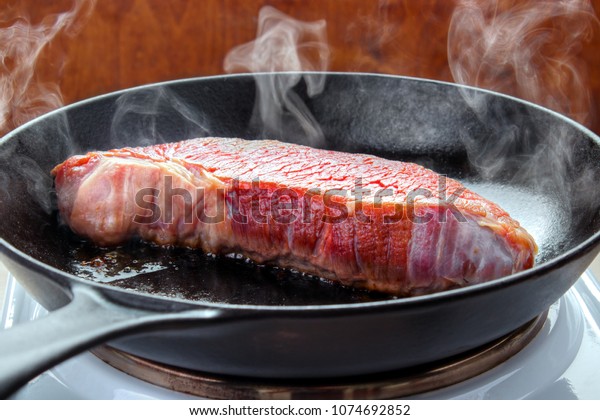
{"x": 357, "y": 219}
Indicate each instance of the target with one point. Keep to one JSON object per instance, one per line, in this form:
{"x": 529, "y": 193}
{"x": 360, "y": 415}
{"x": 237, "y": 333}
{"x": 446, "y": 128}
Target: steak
{"x": 356, "y": 219}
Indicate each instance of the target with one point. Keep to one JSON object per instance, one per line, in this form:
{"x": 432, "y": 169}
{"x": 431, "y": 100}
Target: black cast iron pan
{"x": 226, "y": 316}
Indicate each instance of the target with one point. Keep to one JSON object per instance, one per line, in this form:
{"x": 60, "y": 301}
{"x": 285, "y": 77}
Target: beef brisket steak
{"x": 357, "y": 219}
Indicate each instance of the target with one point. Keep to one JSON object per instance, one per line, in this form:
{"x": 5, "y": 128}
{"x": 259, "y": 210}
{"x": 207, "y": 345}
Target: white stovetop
{"x": 3, "y": 277}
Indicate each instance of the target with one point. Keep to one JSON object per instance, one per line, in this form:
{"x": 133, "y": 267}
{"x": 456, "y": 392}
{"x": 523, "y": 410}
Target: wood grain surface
{"x": 125, "y": 43}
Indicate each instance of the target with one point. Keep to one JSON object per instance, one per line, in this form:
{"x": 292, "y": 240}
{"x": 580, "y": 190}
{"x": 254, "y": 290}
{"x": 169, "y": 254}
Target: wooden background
{"x": 125, "y": 43}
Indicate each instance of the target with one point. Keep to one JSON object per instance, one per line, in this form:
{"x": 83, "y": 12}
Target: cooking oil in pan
{"x": 109, "y": 266}
{"x": 192, "y": 275}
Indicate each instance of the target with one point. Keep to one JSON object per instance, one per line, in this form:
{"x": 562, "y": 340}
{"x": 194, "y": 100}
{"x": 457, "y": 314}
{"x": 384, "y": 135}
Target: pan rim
{"x": 462, "y": 293}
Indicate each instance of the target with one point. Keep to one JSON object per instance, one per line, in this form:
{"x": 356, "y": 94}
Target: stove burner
{"x": 380, "y": 386}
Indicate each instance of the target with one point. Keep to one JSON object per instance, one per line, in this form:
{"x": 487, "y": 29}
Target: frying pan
{"x": 226, "y": 316}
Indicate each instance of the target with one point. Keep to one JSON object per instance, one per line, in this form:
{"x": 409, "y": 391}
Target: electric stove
{"x": 558, "y": 357}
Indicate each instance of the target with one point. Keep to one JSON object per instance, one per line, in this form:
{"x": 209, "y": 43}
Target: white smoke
{"x": 529, "y": 49}
{"x": 22, "y": 95}
{"x": 140, "y": 118}
{"x": 283, "y": 44}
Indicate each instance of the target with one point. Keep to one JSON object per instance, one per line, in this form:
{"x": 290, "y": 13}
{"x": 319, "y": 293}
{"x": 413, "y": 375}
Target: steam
{"x": 22, "y": 95}
{"x": 527, "y": 49}
{"x": 284, "y": 44}
{"x": 155, "y": 115}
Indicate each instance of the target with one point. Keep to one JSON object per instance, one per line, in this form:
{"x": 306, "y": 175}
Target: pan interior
{"x": 419, "y": 121}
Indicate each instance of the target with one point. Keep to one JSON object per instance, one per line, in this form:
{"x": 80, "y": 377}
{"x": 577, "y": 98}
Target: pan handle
{"x": 89, "y": 319}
